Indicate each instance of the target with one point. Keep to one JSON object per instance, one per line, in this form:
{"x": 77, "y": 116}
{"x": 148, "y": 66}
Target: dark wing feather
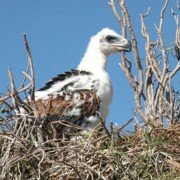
{"x": 62, "y": 77}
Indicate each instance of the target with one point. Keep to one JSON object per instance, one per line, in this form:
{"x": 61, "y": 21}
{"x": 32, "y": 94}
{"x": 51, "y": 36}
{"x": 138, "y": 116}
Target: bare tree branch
{"x": 30, "y": 62}
{"x": 154, "y": 80}
{"x": 32, "y": 77}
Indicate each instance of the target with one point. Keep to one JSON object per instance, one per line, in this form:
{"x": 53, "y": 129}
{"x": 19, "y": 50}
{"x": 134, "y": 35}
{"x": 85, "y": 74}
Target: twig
{"x": 100, "y": 176}
{"x": 13, "y": 93}
{"x": 105, "y": 128}
{"x": 2, "y": 99}
{"x": 124, "y": 125}
{"x": 134, "y": 44}
{"x": 116, "y": 14}
{"x": 30, "y": 62}
{"x": 74, "y": 168}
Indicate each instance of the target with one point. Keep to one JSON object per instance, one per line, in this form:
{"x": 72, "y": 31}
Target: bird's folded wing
{"x": 79, "y": 103}
{"x": 68, "y": 82}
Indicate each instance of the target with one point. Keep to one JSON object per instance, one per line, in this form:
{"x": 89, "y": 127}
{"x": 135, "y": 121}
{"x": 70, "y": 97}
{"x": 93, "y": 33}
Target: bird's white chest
{"x": 104, "y": 87}
{"x": 104, "y": 90}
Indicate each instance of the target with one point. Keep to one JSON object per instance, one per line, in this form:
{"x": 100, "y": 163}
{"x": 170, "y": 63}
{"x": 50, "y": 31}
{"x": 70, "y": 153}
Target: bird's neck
{"x": 94, "y": 60}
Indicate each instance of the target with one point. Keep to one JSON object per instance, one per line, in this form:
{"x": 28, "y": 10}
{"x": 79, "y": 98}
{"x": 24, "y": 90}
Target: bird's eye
{"x": 111, "y": 38}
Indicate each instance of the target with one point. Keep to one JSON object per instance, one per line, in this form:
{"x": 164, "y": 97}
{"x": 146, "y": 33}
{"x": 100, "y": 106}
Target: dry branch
{"x": 153, "y": 82}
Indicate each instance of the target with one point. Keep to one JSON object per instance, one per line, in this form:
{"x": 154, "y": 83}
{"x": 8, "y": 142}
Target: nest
{"x": 105, "y": 153}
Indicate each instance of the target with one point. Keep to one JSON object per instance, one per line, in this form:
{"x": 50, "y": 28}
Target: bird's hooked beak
{"x": 122, "y": 44}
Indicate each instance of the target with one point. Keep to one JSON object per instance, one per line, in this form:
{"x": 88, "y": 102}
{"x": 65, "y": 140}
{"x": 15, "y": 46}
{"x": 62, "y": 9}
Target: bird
{"x": 80, "y": 97}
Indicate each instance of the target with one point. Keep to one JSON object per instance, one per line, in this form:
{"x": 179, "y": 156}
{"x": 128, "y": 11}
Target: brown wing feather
{"x": 85, "y": 100}
{"x": 58, "y": 112}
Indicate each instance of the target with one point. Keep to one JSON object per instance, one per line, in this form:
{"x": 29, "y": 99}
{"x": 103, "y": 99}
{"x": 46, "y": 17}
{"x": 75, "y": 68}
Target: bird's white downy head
{"x": 101, "y": 45}
{"x": 111, "y": 42}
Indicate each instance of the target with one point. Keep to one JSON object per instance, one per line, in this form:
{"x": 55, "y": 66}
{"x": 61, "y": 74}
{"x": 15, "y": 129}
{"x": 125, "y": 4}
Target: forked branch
{"x": 153, "y": 84}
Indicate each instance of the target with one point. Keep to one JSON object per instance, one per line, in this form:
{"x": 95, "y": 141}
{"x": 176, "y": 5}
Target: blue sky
{"x": 58, "y": 33}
